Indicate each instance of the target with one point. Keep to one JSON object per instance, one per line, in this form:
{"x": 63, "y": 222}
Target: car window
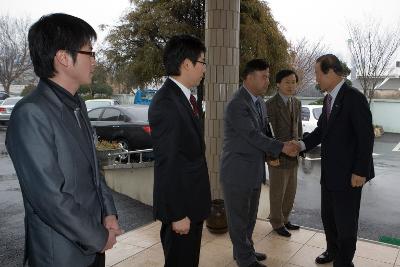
{"x": 138, "y": 114}
{"x": 94, "y": 114}
{"x": 317, "y": 112}
{"x": 11, "y": 101}
{"x": 305, "y": 114}
{"x": 96, "y": 104}
{"x": 110, "y": 114}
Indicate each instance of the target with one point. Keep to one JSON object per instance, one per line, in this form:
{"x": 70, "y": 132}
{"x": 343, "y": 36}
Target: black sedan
{"x": 125, "y": 124}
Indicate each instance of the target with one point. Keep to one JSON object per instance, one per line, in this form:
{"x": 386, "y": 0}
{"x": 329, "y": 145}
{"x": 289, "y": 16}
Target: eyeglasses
{"x": 89, "y": 53}
{"x": 202, "y": 62}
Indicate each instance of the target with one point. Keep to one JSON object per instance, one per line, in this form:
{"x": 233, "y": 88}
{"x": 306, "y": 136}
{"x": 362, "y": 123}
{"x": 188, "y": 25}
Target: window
{"x": 305, "y": 114}
{"x": 110, "y": 114}
{"x": 94, "y": 114}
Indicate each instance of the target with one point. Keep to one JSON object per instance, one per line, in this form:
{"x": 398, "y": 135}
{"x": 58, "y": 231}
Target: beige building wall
{"x": 222, "y": 77}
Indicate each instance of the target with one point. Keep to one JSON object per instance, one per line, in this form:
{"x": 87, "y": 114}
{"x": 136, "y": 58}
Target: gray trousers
{"x": 241, "y": 205}
{"x": 282, "y": 191}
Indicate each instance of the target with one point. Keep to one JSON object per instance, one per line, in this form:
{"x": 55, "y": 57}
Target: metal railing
{"x": 124, "y": 157}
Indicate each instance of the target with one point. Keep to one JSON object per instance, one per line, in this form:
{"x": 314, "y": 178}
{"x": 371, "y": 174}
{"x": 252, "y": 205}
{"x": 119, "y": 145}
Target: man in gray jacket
{"x": 70, "y": 217}
{"x": 245, "y": 146}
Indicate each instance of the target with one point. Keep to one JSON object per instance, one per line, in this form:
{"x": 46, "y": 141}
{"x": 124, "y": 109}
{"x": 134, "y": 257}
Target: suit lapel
{"x": 69, "y": 124}
{"x": 246, "y": 96}
{"x": 336, "y": 107}
{"x": 283, "y": 110}
{"x": 182, "y": 100}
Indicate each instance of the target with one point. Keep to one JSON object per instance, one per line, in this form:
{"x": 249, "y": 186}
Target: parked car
{"x": 309, "y": 117}
{"x": 125, "y": 124}
{"x": 6, "y": 108}
{"x": 96, "y": 103}
{"x": 3, "y": 95}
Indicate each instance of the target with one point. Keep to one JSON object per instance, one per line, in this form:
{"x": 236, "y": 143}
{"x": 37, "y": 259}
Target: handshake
{"x": 291, "y": 148}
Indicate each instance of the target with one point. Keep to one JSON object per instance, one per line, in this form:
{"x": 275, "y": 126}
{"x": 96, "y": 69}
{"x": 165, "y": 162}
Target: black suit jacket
{"x": 65, "y": 197}
{"x": 181, "y": 182}
{"x": 346, "y": 139}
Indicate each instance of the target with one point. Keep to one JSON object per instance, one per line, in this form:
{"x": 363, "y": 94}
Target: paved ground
{"x": 132, "y": 213}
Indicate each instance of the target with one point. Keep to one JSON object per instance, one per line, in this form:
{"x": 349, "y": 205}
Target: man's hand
{"x": 181, "y": 227}
{"x": 111, "y": 222}
{"x": 112, "y": 239}
{"x": 290, "y": 149}
{"x": 357, "y": 181}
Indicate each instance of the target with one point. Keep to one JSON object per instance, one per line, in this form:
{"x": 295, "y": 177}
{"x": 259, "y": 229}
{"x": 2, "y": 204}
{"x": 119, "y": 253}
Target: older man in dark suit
{"x": 346, "y": 136}
{"x": 243, "y": 159}
{"x": 182, "y": 198}
{"x": 70, "y": 217}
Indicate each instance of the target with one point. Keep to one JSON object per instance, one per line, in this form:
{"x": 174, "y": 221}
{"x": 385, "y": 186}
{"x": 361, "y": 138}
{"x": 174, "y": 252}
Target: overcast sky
{"x": 313, "y": 19}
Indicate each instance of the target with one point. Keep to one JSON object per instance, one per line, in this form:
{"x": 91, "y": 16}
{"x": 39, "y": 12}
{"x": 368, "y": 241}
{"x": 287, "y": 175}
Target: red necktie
{"x": 194, "y": 105}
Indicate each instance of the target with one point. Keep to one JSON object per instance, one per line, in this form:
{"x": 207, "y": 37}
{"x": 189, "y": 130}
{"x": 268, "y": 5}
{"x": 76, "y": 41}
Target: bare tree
{"x": 303, "y": 56}
{"x": 14, "y": 50}
{"x": 372, "y": 49}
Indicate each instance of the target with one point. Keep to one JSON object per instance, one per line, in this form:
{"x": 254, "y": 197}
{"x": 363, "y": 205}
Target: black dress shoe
{"x": 260, "y": 256}
{"x": 291, "y": 226}
{"x": 257, "y": 264}
{"x": 324, "y": 258}
{"x": 283, "y": 231}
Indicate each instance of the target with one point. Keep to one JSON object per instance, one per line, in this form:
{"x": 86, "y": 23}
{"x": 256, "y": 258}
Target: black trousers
{"x": 339, "y": 212}
{"x": 100, "y": 260}
{"x": 181, "y": 250}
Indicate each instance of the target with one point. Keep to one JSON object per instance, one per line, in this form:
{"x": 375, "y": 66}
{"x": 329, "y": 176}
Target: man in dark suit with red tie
{"x": 346, "y": 136}
{"x": 182, "y": 198}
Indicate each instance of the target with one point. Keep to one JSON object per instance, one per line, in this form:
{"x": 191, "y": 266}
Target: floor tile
{"x": 144, "y": 238}
{"x": 363, "y": 262}
{"x": 121, "y": 252}
{"x": 318, "y": 240}
{"x": 277, "y": 248}
{"x": 376, "y": 252}
{"x": 151, "y": 257}
{"x": 215, "y": 255}
{"x": 305, "y": 257}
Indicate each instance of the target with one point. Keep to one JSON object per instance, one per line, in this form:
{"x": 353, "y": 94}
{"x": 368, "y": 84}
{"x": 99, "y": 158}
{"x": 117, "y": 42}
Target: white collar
{"x": 184, "y": 89}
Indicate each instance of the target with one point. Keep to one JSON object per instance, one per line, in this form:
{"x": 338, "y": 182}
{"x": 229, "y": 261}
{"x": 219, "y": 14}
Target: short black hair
{"x": 179, "y": 48}
{"x": 254, "y": 65}
{"x": 330, "y": 61}
{"x": 55, "y": 32}
{"x": 284, "y": 73}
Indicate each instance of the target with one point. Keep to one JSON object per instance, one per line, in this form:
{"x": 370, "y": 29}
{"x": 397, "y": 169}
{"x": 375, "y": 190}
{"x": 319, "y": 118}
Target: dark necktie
{"x": 328, "y": 105}
{"x": 194, "y": 105}
{"x": 259, "y": 111}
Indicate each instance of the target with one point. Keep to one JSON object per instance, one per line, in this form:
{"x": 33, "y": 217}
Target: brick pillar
{"x": 222, "y": 77}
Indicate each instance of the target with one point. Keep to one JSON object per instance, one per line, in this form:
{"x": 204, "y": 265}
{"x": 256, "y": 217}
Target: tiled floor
{"x": 142, "y": 248}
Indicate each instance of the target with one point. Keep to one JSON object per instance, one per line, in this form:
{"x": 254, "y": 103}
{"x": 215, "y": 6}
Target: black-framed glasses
{"x": 89, "y": 53}
{"x": 202, "y": 62}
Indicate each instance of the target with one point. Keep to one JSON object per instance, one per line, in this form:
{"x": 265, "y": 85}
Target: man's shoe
{"x": 260, "y": 256}
{"x": 257, "y": 264}
{"x": 324, "y": 258}
{"x": 283, "y": 231}
{"x": 291, "y": 226}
